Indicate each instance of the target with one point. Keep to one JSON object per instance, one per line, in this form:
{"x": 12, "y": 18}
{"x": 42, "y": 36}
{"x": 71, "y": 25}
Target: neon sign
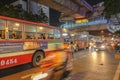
{"x": 85, "y": 24}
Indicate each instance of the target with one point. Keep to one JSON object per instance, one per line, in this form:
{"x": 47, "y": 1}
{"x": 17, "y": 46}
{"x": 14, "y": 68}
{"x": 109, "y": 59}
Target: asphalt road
{"x": 87, "y": 65}
{"x": 92, "y": 65}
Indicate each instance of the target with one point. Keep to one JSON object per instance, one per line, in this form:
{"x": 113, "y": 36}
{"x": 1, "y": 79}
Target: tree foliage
{"x": 42, "y": 16}
{"x": 112, "y": 7}
{"x": 117, "y": 32}
{"x": 18, "y": 12}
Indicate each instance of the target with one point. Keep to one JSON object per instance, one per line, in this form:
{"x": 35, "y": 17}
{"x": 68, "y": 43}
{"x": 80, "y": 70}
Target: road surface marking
{"x": 117, "y": 73}
{"x": 26, "y": 76}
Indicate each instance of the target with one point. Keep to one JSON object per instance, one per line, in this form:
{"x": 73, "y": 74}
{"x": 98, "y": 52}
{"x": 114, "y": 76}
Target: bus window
{"x": 15, "y": 30}
{"x": 45, "y": 33}
{"x": 57, "y": 34}
{"x": 50, "y": 36}
{"x": 50, "y": 33}
{"x": 30, "y": 31}
{"x": 2, "y": 29}
{"x": 42, "y": 36}
{"x": 41, "y": 32}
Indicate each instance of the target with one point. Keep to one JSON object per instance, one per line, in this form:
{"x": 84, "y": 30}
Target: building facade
{"x": 32, "y": 7}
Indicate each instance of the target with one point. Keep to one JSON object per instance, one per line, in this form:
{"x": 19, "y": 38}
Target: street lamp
{"x": 102, "y": 32}
{"x": 64, "y": 30}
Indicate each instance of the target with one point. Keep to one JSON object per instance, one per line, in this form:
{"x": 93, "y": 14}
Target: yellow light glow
{"x": 81, "y": 20}
{"x": 78, "y": 21}
{"x": 15, "y": 28}
{"x": 39, "y": 76}
{"x": 85, "y": 20}
{"x": 6, "y": 29}
{"x": 17, "y": 24}
{"x": 41, "y": 28}
{"x": 103, "y": 57}
{"x": 94, "y": 56}
{"x": 72, "y": 34}
{"x": 65, "y": 30}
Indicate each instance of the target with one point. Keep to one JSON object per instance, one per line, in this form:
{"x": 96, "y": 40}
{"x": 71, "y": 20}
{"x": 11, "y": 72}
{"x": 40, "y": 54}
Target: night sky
{"x": 4, "y": 2}
{"x": 54, "y": 17}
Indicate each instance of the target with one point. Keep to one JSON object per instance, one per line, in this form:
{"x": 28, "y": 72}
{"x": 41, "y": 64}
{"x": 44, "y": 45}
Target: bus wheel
{"x": 37, "y": 57}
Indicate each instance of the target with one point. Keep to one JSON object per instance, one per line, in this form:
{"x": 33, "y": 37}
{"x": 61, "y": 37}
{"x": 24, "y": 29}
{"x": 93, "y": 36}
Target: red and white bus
{"x": 24, "y": 42}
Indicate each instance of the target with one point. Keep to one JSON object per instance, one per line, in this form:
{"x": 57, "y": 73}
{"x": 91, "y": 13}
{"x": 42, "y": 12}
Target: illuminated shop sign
{"x": 81, "y": 21}
{"x": 86, "y": 23}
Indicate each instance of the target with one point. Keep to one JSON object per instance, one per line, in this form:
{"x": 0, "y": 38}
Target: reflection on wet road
{"x": 91, "y": 65}
{"x": 87, "y": 65}
{"x": 51, "y": 68}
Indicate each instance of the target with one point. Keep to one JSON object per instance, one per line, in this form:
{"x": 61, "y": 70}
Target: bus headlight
{"x": 39, "y": 76}
{"x": 43, "y": 76}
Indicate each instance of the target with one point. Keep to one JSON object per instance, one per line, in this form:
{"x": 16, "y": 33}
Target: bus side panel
{"x": 51, "y": 52}
{"x": 15, "y": 60}
{"x": 53, "y": 47}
